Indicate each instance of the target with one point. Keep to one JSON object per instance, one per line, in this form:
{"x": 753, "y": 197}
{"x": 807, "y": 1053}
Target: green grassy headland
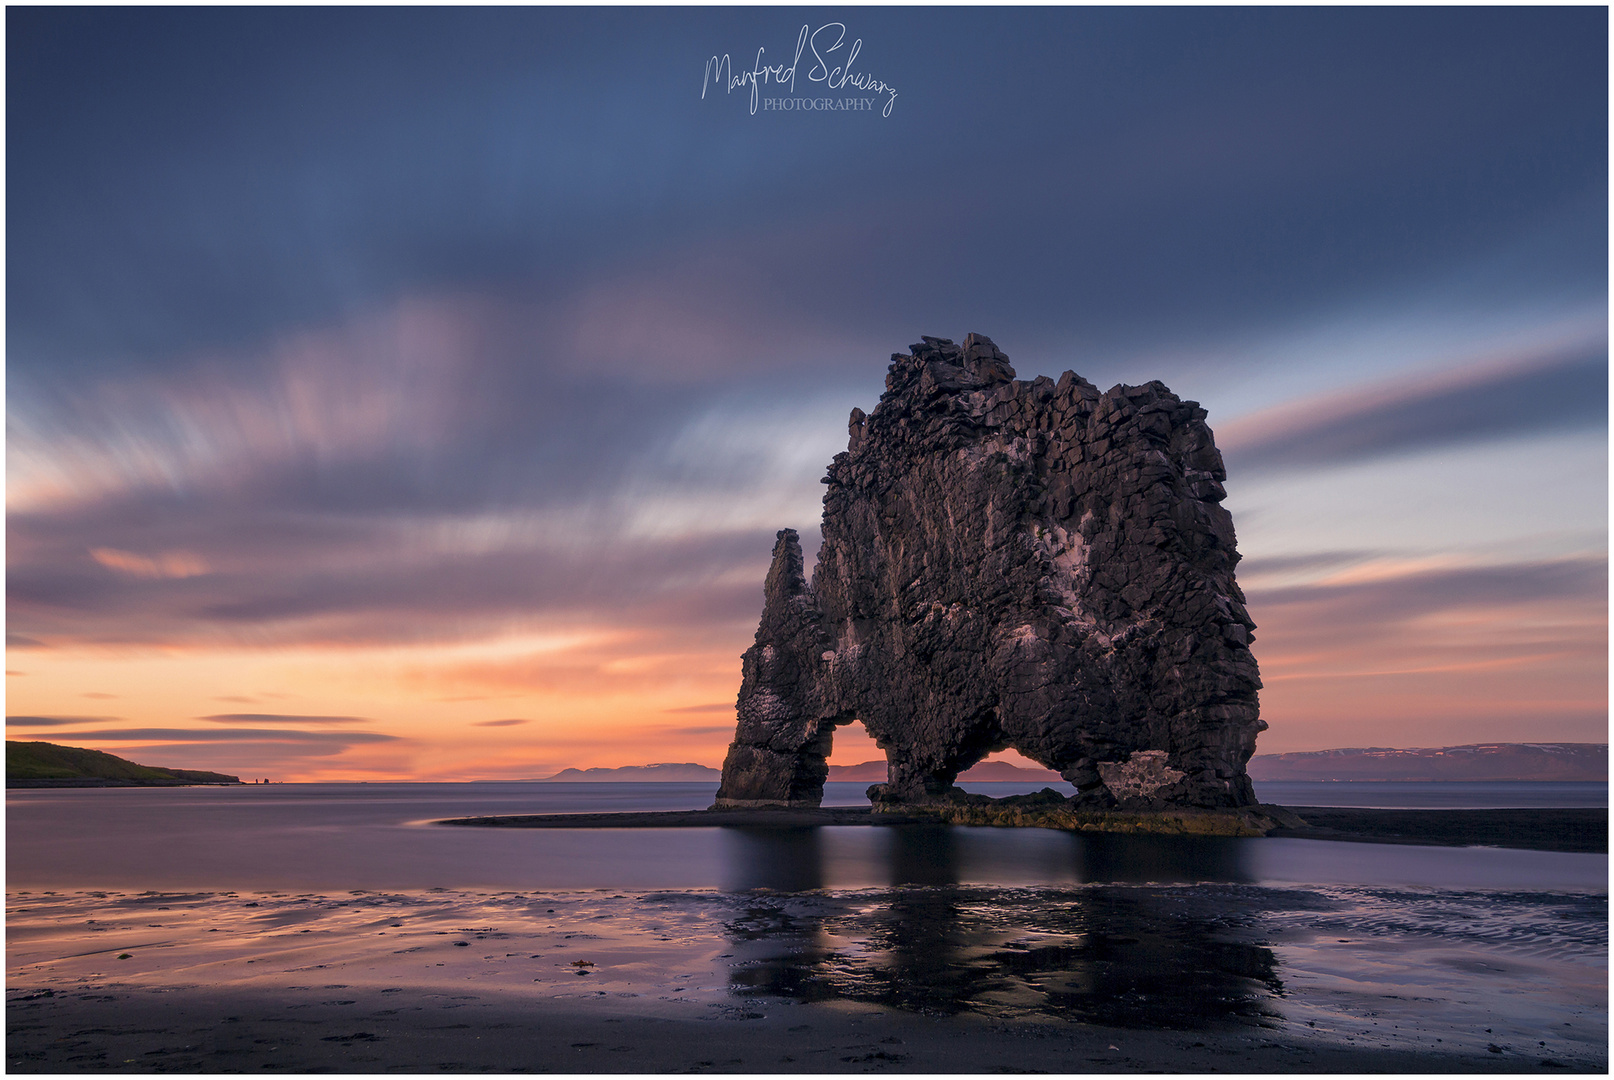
{"x": 48, "y": 761}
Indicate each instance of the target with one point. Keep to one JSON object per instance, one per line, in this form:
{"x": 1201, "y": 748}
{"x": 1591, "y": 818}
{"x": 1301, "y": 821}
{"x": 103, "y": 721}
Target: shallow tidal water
{"x": 382, "y": 836}
{"x": 350, "y": 887}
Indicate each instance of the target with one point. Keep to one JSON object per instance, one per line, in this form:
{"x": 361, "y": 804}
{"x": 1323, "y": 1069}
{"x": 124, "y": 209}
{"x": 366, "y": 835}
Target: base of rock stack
{"x": 1247, "y": 821}
{"x": 1048, "y": 809}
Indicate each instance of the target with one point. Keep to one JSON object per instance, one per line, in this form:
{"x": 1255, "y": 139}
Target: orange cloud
{"x": 1435, "y": 655}
{"x": 172, "y": 564}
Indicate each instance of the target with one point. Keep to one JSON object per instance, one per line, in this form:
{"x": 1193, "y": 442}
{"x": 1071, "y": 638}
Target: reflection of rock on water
{"x": 781, "y": 950}
{"x": 1144, "y": 859}
{"x": 778, "y": 859}
{"x": 795, "y": 859}
{"x": 1140, "y": 957}
{"x": 788, "y": 859}
{"x": 1125, "y": 957}
{"x": 924, "y": 855}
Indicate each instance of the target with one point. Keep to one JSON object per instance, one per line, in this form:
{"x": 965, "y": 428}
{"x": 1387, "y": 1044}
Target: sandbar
{"x": 1575, "y": 829}
{"x": 1579, "y": 829}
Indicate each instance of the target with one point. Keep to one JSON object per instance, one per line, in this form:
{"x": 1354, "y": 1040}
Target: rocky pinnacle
{"x": 1008, "y": 563}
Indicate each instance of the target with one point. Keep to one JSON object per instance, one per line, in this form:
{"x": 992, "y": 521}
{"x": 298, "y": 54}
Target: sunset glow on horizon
{"x": 431, "y": 418}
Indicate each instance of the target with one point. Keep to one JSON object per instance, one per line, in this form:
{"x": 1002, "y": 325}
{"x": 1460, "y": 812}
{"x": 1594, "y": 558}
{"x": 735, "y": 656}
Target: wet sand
{"x": 1576, "y": 829}
{"x": 945, "y": 980}
{"x": 201, "y": 1031}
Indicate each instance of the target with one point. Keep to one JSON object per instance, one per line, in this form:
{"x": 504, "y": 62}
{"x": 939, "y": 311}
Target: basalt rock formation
{"x": 1007, "y": 563}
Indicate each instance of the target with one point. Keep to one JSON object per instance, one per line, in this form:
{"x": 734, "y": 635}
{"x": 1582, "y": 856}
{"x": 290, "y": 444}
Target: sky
{"x": 415, "y": 393}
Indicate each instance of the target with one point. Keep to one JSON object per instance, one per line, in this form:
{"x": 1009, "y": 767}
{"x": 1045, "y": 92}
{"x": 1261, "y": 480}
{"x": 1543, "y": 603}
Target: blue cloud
{"x": 198, "y": 179}
{"x": 1560, "y": 393}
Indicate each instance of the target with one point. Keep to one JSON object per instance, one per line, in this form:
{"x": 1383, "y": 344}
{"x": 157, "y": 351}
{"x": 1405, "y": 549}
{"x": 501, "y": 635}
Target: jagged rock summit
{"x": 1007, "y": 563}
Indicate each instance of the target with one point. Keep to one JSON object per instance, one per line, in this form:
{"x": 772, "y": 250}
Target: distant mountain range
{"x": 869, "y": 772}
{"x": 1479, "y": 761}
{"x": 1476, "y": 761}
{"x": 638, "y": 774}
{"x": 44, "y": 764}
{"x": 873, "y": 772}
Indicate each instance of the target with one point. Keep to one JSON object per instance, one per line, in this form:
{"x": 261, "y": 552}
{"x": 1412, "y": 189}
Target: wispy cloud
{"x": 268, "y": 735}
{"x": 282, "y": 718}
{"x": 171, "y": 564}
{"x": 501, "y": 723}
{"x": 665, "y": 661}
{"x": 1434, "y": 652}
{"x": 1389, "y": 598}
{"x": 1483, "y": 402}
{"x": 397, "y": 587}
{"x": 699, "y": 731}
{"x": 56, "y": 721}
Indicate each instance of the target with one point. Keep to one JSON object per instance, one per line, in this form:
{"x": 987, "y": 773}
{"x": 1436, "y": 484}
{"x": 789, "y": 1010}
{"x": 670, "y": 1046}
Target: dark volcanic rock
{"x": 1033, "y": 565}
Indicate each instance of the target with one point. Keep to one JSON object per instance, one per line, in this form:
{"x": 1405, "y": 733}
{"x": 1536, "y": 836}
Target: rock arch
{"x": 1009, "y": 564}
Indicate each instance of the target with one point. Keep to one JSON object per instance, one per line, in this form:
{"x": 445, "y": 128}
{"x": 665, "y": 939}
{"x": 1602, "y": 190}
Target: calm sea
{"x": 381, "y": 836}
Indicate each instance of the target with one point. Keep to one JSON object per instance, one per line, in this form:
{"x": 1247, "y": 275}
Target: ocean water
{"x": 383, "y": 836}
{"x": 1367, "y": 945}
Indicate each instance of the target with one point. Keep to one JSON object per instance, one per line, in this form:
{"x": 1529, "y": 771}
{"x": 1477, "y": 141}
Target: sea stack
{"x": 1008, "y": 563}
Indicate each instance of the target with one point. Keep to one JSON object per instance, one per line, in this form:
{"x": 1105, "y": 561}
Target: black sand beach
{"x": 935, "y": 980}
{"x": 320, "y": 1030}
